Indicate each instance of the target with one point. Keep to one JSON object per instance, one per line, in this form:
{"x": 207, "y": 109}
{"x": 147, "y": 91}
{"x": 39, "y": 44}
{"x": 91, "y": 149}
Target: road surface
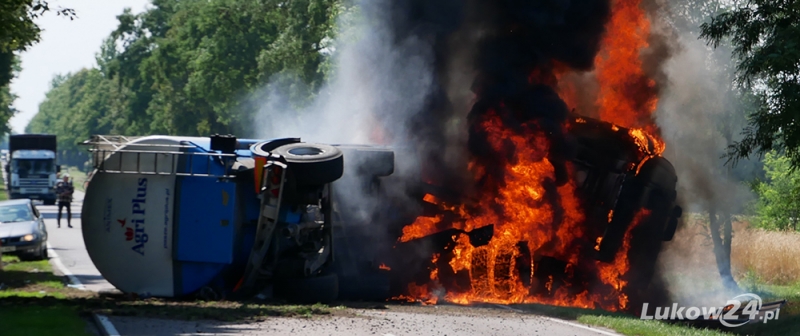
{"x": 68, "y": 245}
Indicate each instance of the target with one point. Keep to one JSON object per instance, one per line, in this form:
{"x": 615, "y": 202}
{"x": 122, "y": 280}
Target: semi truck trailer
{"x": 32, "y": 167}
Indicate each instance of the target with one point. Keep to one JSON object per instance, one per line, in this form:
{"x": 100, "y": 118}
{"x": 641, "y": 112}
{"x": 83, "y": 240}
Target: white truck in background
{"x": 31, "y": 167}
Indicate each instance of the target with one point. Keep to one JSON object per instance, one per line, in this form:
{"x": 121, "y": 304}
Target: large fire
{"x": 527, "y": 225}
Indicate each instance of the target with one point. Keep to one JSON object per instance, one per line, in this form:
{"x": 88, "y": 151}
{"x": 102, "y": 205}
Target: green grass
{"x": 787, "y": 324}
{"x": 3, "y": 189}
{"x": 14, "y": 264}
{"x": 35, "y": 281}
{"x": 41, "y": 321}
{"x": 635, "y": 326}
{"x": 32, "y": 284}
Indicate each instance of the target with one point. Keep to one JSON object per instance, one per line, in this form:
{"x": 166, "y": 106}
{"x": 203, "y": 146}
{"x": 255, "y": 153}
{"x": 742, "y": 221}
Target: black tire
{"x": 312, "y": 164}
{"x": 40, "y": 254}
{"x": 43, "y": 254}
{"x": 49, "y": 202}
{"x": 317, "y": 289}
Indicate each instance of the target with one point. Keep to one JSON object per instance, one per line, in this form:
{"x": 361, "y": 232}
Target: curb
{"x": 56, "y": 261}
{"x": 102, "y": 322}
{"x": 104, "y": 325}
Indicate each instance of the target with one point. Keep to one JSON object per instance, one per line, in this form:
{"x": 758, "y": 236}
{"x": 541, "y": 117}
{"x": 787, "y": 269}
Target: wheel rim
{"x": 305, "y": 151}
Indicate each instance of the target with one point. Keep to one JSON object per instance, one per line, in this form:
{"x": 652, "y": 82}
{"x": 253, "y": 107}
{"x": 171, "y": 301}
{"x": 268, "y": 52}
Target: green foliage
{"x": 778, "y": 205}
{"x": 765, "y": 36}
{"x": 76, "y": 106}
{"x": 17, "y": 33}
{"x": 187, "y": 67}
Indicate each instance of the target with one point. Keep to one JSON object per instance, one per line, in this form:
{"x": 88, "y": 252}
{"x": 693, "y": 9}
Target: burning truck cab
{"x": 593, "y": 242}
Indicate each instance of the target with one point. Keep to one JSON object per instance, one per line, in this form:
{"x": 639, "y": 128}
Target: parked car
{"x": 22, "y": 230}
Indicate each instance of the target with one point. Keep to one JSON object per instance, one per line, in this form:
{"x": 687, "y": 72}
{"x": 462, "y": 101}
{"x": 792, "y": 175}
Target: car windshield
{"x": 15, "y": 213}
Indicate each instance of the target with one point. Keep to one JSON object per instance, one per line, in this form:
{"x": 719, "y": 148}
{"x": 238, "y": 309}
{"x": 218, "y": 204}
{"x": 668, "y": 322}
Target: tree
{"x": 186, "y": 67}
{"x": 77, "y": 106}
{"x": 765, "y": 36}
{"x": 778, "y": 205}
{"x": 18, "y": 31}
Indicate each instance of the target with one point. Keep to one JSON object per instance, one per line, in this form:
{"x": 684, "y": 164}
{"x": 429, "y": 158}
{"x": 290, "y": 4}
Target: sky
{"x": 65, "y": 46}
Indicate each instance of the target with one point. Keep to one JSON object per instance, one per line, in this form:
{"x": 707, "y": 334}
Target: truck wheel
{"x": 313, "y": 164}
{"x": 318, "y": 289}
{"x": 645, "y": 247}
{"x": 49, "y": 202}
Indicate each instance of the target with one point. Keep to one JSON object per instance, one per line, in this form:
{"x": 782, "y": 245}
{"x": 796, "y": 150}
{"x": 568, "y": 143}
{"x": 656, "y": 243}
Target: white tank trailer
{"x": 218, "y": 216}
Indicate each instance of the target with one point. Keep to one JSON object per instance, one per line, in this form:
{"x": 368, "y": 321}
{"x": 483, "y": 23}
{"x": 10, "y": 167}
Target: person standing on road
{"x": 64, "y": 190}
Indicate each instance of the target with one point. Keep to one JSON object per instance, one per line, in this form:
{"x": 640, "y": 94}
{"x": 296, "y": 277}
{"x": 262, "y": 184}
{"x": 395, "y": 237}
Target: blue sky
{"x": 65, "y": 46}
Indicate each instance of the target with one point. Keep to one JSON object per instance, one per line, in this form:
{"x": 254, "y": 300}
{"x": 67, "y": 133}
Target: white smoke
{"x": 374, "y": 79}
{"x": 699, "y": 114}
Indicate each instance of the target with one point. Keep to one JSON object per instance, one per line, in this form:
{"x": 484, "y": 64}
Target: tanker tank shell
{"x": 127, "y": 219}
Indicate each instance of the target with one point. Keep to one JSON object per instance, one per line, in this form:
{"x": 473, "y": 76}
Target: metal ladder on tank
{"x": 102, "y": 147}
{"x": 272, "y": 182}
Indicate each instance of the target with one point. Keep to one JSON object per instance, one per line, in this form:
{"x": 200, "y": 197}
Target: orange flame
{"x": 627, "y": 96}
{"x": 519, "y": 206}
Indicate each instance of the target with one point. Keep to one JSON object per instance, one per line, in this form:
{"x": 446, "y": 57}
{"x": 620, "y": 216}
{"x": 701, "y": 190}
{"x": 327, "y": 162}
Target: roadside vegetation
{"x": 33, "y": 285}
{"x": 763, "y": 262}
{"x": 35, "y": 281}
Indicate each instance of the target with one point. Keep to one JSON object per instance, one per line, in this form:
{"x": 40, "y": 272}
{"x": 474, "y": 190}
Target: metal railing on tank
{"x": 118, "y": 154}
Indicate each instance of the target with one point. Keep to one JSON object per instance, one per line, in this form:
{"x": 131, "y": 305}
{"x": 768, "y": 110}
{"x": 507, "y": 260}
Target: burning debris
{"x": 528, "y": 240}
{"x": 577, "y": 206}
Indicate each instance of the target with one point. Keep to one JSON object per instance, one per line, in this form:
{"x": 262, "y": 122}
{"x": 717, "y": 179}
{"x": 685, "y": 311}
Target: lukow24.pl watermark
{"x": 737, "y": 312}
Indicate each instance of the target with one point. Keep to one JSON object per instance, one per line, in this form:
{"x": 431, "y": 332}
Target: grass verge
{"x": 56, "y": 320}
{"x": 3, "y": 189}
{"x": 33, "y": 285}
{"x": 35, "y": 280}
{"x": 787, "y": 324}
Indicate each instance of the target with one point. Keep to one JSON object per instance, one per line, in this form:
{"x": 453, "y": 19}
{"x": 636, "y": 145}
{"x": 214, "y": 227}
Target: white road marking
{"x": 576, "y": 325}
{"x": 572, "y": 324}
{"x": 64, "y": 270}
{"x": 104, "y": 322}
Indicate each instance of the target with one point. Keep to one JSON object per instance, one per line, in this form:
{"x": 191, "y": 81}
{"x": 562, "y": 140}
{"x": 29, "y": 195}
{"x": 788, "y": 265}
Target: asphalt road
{"x": 68, "y": 245}
{"x": 370, "y": 322}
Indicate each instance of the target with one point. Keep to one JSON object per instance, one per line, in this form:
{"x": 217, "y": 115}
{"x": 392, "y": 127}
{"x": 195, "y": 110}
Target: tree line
{"x": 184, "y": 67}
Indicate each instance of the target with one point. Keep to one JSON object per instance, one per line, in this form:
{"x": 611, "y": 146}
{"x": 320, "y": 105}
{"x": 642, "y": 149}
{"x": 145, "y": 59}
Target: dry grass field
{"x": 758, "y": 258}
{"x": 771, "y": 256}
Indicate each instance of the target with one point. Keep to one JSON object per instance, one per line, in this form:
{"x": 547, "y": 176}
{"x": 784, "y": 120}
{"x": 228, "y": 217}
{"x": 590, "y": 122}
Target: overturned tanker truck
{"x": 218, "y": 216}
{"x": 225, "y": 217}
